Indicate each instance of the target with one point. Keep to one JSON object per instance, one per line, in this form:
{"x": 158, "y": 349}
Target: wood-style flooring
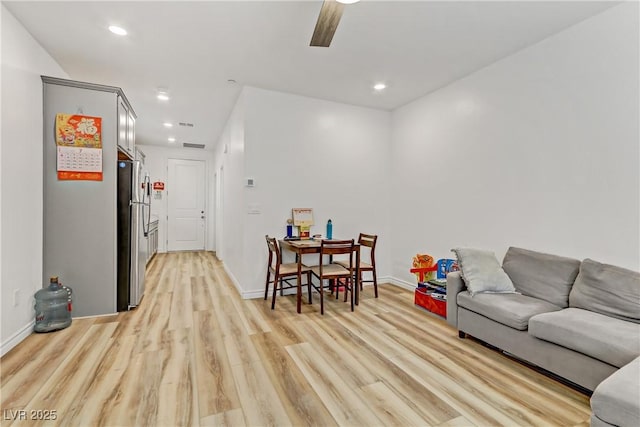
{"x": 194, "y": 353}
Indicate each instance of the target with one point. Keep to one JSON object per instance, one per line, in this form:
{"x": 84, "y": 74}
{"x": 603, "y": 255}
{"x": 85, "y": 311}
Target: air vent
{"x": 190, "y": 145}
{"x": 185, "y": 124}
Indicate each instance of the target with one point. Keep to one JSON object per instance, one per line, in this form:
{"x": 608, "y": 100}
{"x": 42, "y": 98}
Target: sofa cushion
{"x": 545, "y": 276}
{"x": 616, "y": 400}
{"x": 605, "y": 338}
{"x": 513, "y": 310}
{"x": 481, "y": 271}
{"x": 607, "y": 289}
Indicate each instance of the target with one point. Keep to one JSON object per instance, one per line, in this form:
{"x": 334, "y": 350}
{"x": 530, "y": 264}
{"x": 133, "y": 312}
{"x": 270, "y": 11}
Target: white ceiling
{"x": 193, "y": 48}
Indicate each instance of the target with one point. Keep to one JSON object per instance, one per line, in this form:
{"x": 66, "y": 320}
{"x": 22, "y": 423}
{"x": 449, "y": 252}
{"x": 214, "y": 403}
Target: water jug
{"x": 329, "y": 230}
{"x": 53, "y": 307}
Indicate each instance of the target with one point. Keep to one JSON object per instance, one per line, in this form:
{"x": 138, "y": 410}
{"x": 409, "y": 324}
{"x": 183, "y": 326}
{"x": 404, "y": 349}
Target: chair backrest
{"x": 274, "y": 252}
{"x": 369, "y": 240}
{"x": 337, "y": 247}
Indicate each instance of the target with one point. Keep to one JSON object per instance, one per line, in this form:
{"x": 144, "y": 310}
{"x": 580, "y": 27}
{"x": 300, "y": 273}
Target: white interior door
{"x": 186, "y": 205}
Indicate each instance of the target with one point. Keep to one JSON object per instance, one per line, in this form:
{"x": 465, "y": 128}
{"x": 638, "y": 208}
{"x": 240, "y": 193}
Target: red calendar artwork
{"x": 79, "y": 147}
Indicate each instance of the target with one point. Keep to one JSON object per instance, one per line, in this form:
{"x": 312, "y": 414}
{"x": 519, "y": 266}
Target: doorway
{"x": 186, "y": 199}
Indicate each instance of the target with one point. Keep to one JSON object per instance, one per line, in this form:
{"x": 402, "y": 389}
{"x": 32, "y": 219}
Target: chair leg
{"x": 336, "y": 286}
{"x": 281, "y": 288}
{"x": 361, "y": 288}
{"x": 266, "y": 286}
{"x": 352, "y": 297}
{"x": 275, "y": 290}
{"x": 321, "y": 298}
{"x": 309, "y": 285}
{"x": 375, "y": 283}
{"x": 346, "y": 288}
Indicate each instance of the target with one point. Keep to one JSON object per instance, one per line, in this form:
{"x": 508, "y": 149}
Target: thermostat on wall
{"x": 250, "y": 182}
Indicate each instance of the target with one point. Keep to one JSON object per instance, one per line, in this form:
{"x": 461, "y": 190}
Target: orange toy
{"x": 423, "y": 267}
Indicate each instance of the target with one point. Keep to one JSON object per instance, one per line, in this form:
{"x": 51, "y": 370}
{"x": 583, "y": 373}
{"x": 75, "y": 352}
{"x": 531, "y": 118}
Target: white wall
{"x": 539, "y": 150}
{"x": 234, "y": 220}
{"x": 305, "y": 152}
{"x": 156, "y": 162}
{"x": 23, "y": 62}
{"x": 229, "y": 161}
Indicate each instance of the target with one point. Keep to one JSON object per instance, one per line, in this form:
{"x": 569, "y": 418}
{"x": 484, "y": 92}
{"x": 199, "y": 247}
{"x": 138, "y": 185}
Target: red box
{"x": 424, "y": 300}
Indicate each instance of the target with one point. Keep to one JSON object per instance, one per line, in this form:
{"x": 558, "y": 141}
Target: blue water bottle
{"x": 329, "y": 230}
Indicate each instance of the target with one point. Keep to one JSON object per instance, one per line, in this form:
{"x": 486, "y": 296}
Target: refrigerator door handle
{"x": 145, "y": 224}
{"x": 146, "y": 201}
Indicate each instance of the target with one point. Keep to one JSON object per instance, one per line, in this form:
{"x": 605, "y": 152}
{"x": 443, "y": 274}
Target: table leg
{"x": 357, "y": 280}
{"x": 299, "y": 287}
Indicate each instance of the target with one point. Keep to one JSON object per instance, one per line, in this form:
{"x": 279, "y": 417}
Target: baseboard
{"x": 398, "y": 282}
{"x": 250, "y": 294}
{"x": 16, "y": 338}
{"x": 259, "y": 293}
{"x": 95, "y": 316}
{"x": 255, "y": 294}
{"x": 235, "y": 281}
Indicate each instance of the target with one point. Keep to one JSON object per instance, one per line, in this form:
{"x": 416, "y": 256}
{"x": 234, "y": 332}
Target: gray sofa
{"x": 578, "y": 320}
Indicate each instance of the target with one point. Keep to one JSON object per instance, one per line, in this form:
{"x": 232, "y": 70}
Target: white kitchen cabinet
{"x": 152, "y": 240}
{"x": 126, "y": 128}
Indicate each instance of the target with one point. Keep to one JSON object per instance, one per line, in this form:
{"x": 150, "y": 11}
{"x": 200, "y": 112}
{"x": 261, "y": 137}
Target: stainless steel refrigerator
{"x": 81, "y": 240}
{"x": 134, "y": 212}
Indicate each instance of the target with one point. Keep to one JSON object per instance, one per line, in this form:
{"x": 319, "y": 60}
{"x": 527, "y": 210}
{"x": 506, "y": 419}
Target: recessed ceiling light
{"x": 231, "y": 81}
{"x": 171, "y": 139}
{"x": 162, "y": 94}
{"x": 168, "y": 125}
{"x": 117, "y": 30}
{"x": 347, "y": 1}
{"x": 379, "y": 86}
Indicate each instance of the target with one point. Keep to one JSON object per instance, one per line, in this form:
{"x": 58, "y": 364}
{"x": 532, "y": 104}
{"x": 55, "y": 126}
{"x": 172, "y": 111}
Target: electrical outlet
{"x": 16, "y": 297}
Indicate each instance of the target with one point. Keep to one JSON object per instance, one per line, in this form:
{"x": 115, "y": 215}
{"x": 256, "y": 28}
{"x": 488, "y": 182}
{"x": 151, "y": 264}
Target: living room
{"x": 538, "y": 149}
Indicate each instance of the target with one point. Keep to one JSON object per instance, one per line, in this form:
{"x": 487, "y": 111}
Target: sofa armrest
{"x": 455, "y": 285}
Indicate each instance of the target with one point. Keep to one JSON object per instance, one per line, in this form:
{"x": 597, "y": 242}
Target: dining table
{"x": 312, "y": 246}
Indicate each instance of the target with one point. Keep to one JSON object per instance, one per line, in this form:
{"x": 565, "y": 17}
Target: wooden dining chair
{"x": 281, "y": 272}
{"x": 368, "y": 241}
{"x": 333, "y": 271}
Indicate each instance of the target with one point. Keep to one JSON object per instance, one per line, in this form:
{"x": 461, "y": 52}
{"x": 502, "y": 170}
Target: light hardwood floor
{"x": 195, "y": 353}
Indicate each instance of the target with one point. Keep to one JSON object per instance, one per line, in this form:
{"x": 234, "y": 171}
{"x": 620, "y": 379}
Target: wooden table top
{"x": 305, "y": 243}
{"x": 302, "y": 243}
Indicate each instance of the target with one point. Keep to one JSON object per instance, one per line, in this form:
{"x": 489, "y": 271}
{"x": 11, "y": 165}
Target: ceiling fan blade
{"x": 327, "y": 24}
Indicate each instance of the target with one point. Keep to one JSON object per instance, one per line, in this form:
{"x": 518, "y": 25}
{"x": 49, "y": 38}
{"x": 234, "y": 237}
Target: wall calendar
{"x": 79, "y": 147}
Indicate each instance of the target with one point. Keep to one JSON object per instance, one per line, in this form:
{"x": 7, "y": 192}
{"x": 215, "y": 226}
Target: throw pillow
{"x": 482, "y": 273}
